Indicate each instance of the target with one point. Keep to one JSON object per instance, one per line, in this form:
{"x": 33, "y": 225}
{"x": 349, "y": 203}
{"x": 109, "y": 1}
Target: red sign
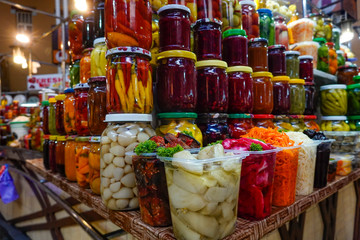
{"x": 37, "y": 82}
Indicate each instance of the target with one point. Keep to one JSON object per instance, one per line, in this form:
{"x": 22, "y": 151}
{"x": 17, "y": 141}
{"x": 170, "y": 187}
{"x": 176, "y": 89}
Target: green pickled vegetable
{"x": 297, "y": 99}
{"x": 354, "y": 100}
{"x": 267, "y": 28}
{"x": 74, "y": 73}
{"x": 334, "y": 102}
{"x": 292, "y": 66}
{"x": 323, "y": 58}
{"x": 340, "y": 60}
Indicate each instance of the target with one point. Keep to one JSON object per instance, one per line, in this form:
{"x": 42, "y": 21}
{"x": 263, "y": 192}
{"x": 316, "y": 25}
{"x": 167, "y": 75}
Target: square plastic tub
{"x": 344, "y": 163}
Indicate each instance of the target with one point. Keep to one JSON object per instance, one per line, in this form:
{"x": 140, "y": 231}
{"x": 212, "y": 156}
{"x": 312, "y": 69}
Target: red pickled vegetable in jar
{"x": 209, "y": 9}
{"x": 59, "y": 114}
{"x": 235, "y": 47}
{"x": 75, "y": 36}
{"x": 263, "y": 120}
{"x": 263, "y": 93}
{"x": 281, "y": 92}
{"x": 281, "y": 32}
{"x": 191, "y": 4}
{"x": 310, "y": 100}
{"x": 250, "y": 19}
{"x": 97, "y": 105}
{"x": 258, "y": 54}
{"x": 306, "y": 68}
{"x": 239, "y": 124}
{"x": 81, "y": 110}
{"x": 276, "y": 60}
{"x": 213, "y": 127}
{"x": 45, "y": 116}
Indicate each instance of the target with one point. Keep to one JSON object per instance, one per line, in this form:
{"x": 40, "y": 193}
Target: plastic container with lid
{"x": 69, "y": 111}
{"x": 263, "y": 120}
{"x": 60, "y": 155}
{"x": 97, "y": 105}
{"x": 306, "y": 69}
{"x": 235, "y": 56}
{"x": 240, "y": 89}
{"x": 323, "y": 55}
{"x": 281, "y": 93}
{"x": 59, "y": 114}
{"x": 282, "y": 122}
{"x": 277, "y": 60}
{"x": 333, "y": 100}
{"x": 85, "y": 65}
{"x": 310, "y": 100}
{"x": 174, "y": 27}
{"x": 207, "y": 39}
{"x": 333, "y": 64}
{"x": 98, "y": 59}
{"x": 340, "y": 58}
{"x": 297, "y": 96}
{"x": 292, "y": 64}
{"x": 129, "y": 80}
{"x": 263, "y": 93}
{"x": 99, "y": 19}
{"x": 267, "y": 25}
{"x": 322, "y": 163}
{"x": 52, "y": 117}
{"x": 301, "y": 30}
{"x": 46, "y": 152}
{"x": 344, "y": 163}
{"x": 354, "y": 122}
{"x": 209, "y": 9}
{"x": 70, "y": 161}
{"x": 45, "y": 116}
{"x": 81, "y": 110}
{"x": 310, "y": 122}
{"x": 74, "y": 73}
{"x": 122, "y": 135}
{"x": 334, "y": 123}
{"x": 94, "y": 164}
{"x": 213, "y": 127}
{"x": 258, "y": 54}
{"x": 345, "y": 74}
{"x": 231, "y": 14}
{"x": 239, "y": 124}
{"x": 281, "y": 32}
{"x": 52, "y": 153}
{"x": 250, "y": 19}
{"x": 176, "y": 81}
{"x": 191, "y": 4}
{"x": 82, "y": 148}
{"x": 307, "y": 48}
{"x": 76, "y": 35}
{"x": 126, "y": 27}
{"x": 212, "y": 86}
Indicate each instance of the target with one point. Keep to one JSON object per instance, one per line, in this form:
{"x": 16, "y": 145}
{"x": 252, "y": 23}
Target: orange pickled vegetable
{"x": 94, "y": 164}
{"x": 69, "y": 112}
{"x": 85, "y": 66}
{"x": 82, "y": 164}
{"x": 343, "y": 167}
{"x": 70, "y": 161}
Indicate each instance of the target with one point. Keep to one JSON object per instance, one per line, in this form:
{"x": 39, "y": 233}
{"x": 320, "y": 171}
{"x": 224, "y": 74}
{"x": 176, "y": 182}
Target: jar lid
{"x": 53, "y": 137}
{"x": 333, "y": 86}
{"x": 280, "y": 79}
{"x": 333, "y": 118}
{"x": 69, "y": 90}
{"x": 87, "y": 50}
{"x": 95, "y": 139}
{"x": 52, "y": 100}
{"x": 320, "y": 40}
{"x": 207, "y": 20}
{"x": 330, "y": 44}
{"x": 211, "y": 63}
{"x": 97, "y": 79}
{"x": 176, "y": 53}
{"x": 247, "y": 2}
{"x": 262, "y": 74}
{"x": 173, "y": 6}
{"x": 353, "y": 86}
{"x": 240, "y": 115}
{"x": 131, "y": 117}
{"x": 245, "y": 69}
{"x": 234, "y": 32}
{"x": 81, "y": 86}
{"x": 177, "y": 115}
{"x": 309, "y": 84}
{"x": 82, "y": 139}
{"x": 356, "y": 78}
{"x": 277, "y": 46}
{"x": 297, "y": 81}
{"x": 348, "y": 66}
{"x": 336, "y": 29}
{"x": 45, "y": 103}
{"x": 70, "y": 138}
{"x": 99, "y": 40}
{"x": 60, "y": 97}
{"x": 340, "y": 52}
{"x": 263, "y": 116}
{"x": 296, "y": 116}
{"x": 129, "y": 50}
{"x": 353, "y": 117}
{"x": 310, "y": 117}
{"x": 306, "y": 57}
{"x": 292, "y": 53}
{"x": 265, "y": 10}
{"x": 258, "y": 40}
{"x": 61, "y": 138}
{"x": 212, "y": 115}
{"x": 46, "y": 137}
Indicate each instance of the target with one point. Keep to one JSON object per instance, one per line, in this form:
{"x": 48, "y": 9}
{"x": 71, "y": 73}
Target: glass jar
{"x": 336, "y": 37}
{"x": 345, "y": 74}
{"x": 129, "y": 81}
{"x": 310, "y": 122}
{"x": 281, "y": 32}
{"x": 69, "y": 111}
{"x": 319, "y": 30}
{"x": 36, "y": 137}
{"x": 209, "y": 9}
{"x": 88, "y": 30}
{"x": 334, "y": 123}
{"x": 98, "y": 59}
{"x": 354, "y": 123}
{"x": 328, "y": 29}
{"x": 276, "y": 60}
{"x": 59, "y": 114}
{"x": 231, "y": 14}
{"x": 52, "y": 117}
{"x": 176, "y": 81}
{"x": 333, "y": 100}
{"x": 333, "y": 64}
{"x": 323, "y": 55}
{"x": 46, "y": 150}
{"x": 52, "y": 153}
{"x": 353, "y": 98}
{"x": 235, "y": 56}
{"x": 97, "y": 105}
{"x": 118, "y": 188}
{"x": 267, "y": 25}
{"x": 174, "y": 27}
{"x": 128, "y": 23}
{"x": 250, "y": 19}
{"x": 94, "y": 165}
{"x": 99, "y": 19}
{"x": 263, "y": 120}
{"x": 297, "y": 96}
{"x": 306, "y": 69}
{"x": 297, "y": 122}
{"x": 281, "y": 93}
{"x": 310, "y": 100}
{"x": 74, "y": 73}
{"x": 308, "y": 48}
{"x": 191, "y": 4}
{"x": 292, "y": 64}
{"x": 213, "y": 127}
{"x": 177, "y": 122}
{"x": 85, "y": 66}
{"x": 75, "y": 35}
{"x": 340, "y": 58}
{"x": 240, "y": 89}
{"x": 60, "y": 155}
{"x": 263, "y": 93}
{"x": 70, "y": 160}
{"x": 207, "y": 39}
{"x": 239, "y": 124}
{"x": 212, "y": 86}
{"x": 81, "y": 110}
{"x": 45, "y": 116}
{"x": 82, "y": 149}
{"x": 282, "y": 123}
{"x": 258, "y": 54}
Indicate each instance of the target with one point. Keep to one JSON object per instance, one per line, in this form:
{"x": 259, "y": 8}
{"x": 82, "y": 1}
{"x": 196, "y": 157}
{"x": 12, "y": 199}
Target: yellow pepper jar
{"x": 98, "y": 59}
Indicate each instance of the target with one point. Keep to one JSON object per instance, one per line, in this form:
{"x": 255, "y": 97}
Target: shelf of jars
{"x": 131, "y": 222}
{"x": 322, "y": 78}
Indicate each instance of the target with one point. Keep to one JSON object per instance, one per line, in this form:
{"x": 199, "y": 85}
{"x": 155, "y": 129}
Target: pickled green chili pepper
{"x": 267, "y": 25}
{"x": 353, "y": 93}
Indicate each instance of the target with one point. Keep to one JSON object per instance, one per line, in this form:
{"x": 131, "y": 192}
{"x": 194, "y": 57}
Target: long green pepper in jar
{"x": 333, "y": 100}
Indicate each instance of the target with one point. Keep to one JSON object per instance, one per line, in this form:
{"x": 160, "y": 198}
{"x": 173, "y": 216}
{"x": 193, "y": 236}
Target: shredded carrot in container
{"x": 286, "y": 164}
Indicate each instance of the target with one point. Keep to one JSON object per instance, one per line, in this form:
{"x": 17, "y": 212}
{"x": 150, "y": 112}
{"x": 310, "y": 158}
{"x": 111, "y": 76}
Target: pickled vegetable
{"x": 85, "y": 66}
{"x": 267, "y": 25}
{"x": 239, "y": 124}
{"x": 263, "y": 93}
{"x": 310, "y": 100}
{"x": 263, "y": 120}
{"x": 98, "y": 59}
{"x": 74, "y": 73}
{"x": 69, "y": 112}
{"x": 250, "y": 19}
{"x": 281, "y": 32}
{"x": 81, "y": 110}
{"x": 94, "y": 165}
{"x": 346, "y": 74}
{"x": 306, "y": 69}
{"x": 323, "y": 55}
{"x": 281, "y": 93}
{"x": 97, "y": 105}
{"x": 59, "y": 114}
{"x": 209, "y": 9}
{"x": 60, "y": 155}
{"x": 333, "y": 64}
{"x": 45, "y": 116}
{"x": 52, "y": 117}
{"x": 353, "y": 93}
{"x": 191, "y": 4}
{"x": 310, "y": 122}
{"x": 340, "y": 58}
{"x": 277, "y": 60}
{"x": 333, "y": 100}
{"x": 292, "y": 64}
{"x": 334, "y": 123}
{"x": 235, "y": 56}
{"x": 258, "y": 54}
{"x": 82, "y": 161}
{"x": 75, "y": 35}
{"x": 231, "y": 14}
{"x": 70, "y": 161}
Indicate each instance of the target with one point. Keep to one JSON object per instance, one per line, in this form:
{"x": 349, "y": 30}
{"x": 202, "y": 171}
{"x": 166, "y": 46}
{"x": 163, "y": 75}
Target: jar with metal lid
{"x": 323, "y": 55}
{"x": 212, "y": 86}
{"x": 174, "y": 27}
{"x": 267, "y": 25}
{"x": 85, "y": 65}
{"x": 319, "y": 31}
{"x": 179, "y": 122}
{"x": 292, "y": 64}
{"x": 276, "y": 60}
{"x": 334, "y": 100}
{"x": 76, "y": 35}
{"x": 235, "y": 56}
{"x": 336, "y": 37}
{"x": 98, "y": 59}
{"x": 176, "y": 81}
{"x": 129, "y": 81}
{"x": 282, "y": 123}
{"x": 88, "y": 30}
{"x": 81, "y": 110}
{"x": 209, "y": 9}
{"x": 239, "y": 124}
{"x": 240, "y": 89}
{"x": 97, "y": 105}
{"x": 250, "y": 19}
{"x": 328, "y": 29}
{"x": 46, "y": 149}
{"x": 310, "y": 122}
{"x": 94, "y": 164}
{"x": 354, "y": 122}
{"x": 82, "y": 149}
{"x": 333, "y": 64}
{"x": 353, "y": 98}
{"x": 345, "y": 74}
{"x": 123, "y": 134}
{"x": 263, "y": 120}
{"x": 334, "y": 123}
{"x": 74, "y": 73}
{"x": 231, "y": 14}
{"x": 191, "y": 4}
{"x": 281, "y": 93}
{"x": 99, "y": 19}
{"x": 52, "y": 117}
{"x": 70, "y": 160}
{"x": 52, "y": 153}
{"x": 340, "y": 58}
{"x": 281, "y": 32}
{"x": 59, "y": 114}
{"x": 306, "y": 69}
{"x": 310, "y": 99}
{"x": 128, "y": 23}
{"x": 69, "y": 111}
{"x": 60, "y": 155}
{"x": 45, "y": 116}
{"x": 297, "y": 122}
{"x": 258, "y": 54}
{"x": 297, "y": 96}
{"x": 207, "y": 39}
{"x": 213, "y": 127}
{"x": 263, "y": 93}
